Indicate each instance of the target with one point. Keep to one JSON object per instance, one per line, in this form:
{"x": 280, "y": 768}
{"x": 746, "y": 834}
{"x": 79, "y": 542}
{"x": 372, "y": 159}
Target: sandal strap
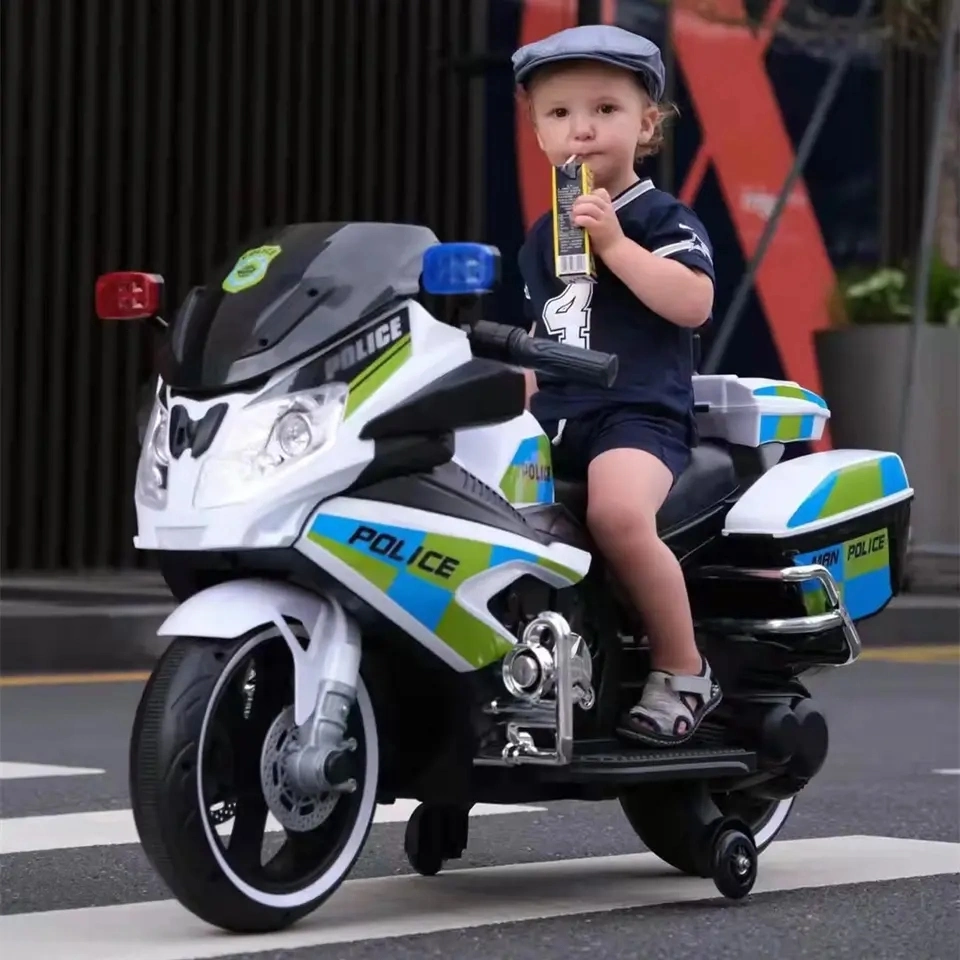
{"x": 661, "y": 703}
{"x": 698, "y": 686}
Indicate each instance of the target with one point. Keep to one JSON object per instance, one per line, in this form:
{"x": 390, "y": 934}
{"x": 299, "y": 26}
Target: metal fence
{"x": 144, "y": 135}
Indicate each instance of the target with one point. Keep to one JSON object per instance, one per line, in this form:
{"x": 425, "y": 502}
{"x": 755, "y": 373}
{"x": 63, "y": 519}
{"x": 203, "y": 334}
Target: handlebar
{"x": 500, "y": 341}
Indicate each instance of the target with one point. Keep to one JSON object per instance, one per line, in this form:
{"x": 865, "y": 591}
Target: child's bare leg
{"x": 626, "y": 489}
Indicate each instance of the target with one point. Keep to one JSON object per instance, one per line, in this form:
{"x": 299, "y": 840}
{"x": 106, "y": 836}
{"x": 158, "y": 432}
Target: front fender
{"x": 228, "y": 610}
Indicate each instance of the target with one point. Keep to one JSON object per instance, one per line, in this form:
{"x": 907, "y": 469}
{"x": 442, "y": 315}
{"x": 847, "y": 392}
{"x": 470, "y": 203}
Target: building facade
{"x": 153, "y": 136}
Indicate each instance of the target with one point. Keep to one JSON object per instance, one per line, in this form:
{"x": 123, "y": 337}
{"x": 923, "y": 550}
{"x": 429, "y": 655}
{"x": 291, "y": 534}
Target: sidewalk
{"x": 108, "y": 623}
{"x": 95, "y": 588}
{"x": 85, "y": 623}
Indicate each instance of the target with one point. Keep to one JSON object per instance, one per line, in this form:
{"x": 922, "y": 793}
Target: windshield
{"x": 287, "y": 293}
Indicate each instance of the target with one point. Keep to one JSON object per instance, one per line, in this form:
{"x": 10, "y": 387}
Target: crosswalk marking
{"x": 103, "y": 828}
{"x": 948, "y": 772}
{"x": 25, "y": 771}
{"x": 409, "y": 905}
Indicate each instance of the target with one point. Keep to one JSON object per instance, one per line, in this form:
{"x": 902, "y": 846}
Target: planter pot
{"x": 863, "y": 371}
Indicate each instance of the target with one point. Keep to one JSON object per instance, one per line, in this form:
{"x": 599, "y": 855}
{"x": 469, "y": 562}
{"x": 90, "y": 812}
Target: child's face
{"x": 598, "y": 112}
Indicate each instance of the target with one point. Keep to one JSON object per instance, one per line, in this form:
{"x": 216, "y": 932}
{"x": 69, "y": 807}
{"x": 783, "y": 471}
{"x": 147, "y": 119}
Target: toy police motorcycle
{"x": 385, "y": 592}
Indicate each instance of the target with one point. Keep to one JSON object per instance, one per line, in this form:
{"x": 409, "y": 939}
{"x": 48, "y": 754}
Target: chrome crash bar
{"x": 835, "y": 616}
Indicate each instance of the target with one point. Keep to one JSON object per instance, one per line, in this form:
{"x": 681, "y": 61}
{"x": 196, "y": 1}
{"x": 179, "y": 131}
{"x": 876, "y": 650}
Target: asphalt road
{"x": 894, "y": 725}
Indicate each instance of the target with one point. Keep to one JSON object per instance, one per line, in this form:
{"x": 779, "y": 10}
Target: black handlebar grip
{"x": 559, "y": 361}
{"x": 563, "y": 361}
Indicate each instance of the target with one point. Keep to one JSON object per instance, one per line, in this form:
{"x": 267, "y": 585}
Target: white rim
{"x": 774, "y": 822}
{"x": 341, "y": 866}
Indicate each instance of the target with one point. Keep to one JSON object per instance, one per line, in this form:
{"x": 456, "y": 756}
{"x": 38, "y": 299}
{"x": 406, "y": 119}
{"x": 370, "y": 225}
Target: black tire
{"x": 673, "y": 821}
{"x": 165, "y": 790}
{"x": 435, "y": 833}
{"x": 734, "y": 864}
{"x": 423, "y": 841}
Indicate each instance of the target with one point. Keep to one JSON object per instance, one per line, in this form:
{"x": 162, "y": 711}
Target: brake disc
{"x": 294, "y": 810}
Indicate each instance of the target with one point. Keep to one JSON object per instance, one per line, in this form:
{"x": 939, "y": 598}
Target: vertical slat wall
{"x": 910, "y": 84}
{"x": 144, "y": 135}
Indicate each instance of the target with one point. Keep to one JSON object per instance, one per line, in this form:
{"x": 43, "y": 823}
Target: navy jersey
{"x": 656, "y": 356}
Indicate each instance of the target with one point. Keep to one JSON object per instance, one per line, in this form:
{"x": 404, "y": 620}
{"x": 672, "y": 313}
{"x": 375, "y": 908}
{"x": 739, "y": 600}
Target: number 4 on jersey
{"x": 567, "y": 315}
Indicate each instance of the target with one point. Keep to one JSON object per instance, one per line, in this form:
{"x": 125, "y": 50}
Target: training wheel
{"x": 734, "y": 864}
{"x": 434, "y": 835}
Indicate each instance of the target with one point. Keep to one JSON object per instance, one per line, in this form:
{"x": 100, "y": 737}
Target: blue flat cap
{"x": 600, "y": 42}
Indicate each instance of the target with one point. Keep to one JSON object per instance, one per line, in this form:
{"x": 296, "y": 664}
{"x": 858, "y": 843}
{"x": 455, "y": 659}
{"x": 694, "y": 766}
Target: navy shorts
{"x": 585, "y": 437}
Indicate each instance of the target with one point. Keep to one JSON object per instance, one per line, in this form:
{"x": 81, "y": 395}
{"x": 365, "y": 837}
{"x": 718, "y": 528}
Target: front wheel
{"x": 236, "y": 843}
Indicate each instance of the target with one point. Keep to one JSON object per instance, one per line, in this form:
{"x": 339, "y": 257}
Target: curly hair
{"x": 665, "y": 111}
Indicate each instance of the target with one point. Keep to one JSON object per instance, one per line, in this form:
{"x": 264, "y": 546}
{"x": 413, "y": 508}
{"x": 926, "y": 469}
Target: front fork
{"x": 325, "y": 675}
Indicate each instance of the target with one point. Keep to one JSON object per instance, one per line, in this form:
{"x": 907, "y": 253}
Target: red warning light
{"x": 128, "y": 295}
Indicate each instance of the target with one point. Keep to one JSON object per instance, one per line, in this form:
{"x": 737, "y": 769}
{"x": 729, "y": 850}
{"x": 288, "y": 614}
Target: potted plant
{"x": 865, "y": 360}
{"x": 864, "y": 357}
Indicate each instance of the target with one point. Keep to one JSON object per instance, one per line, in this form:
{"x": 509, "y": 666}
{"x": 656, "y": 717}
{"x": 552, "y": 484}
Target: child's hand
{"x": 594, "y": 211}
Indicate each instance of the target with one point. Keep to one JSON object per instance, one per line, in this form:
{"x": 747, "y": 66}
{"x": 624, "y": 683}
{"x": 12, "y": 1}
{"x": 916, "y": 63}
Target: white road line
{"x": 104, "y": 828}
{"x": 948, "y": 772}
{"x": 409, "y": 905}
{"x": 25, "y": 771}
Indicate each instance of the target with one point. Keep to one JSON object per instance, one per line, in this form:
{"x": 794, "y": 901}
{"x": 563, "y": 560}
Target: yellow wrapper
{"x": 572, "y": 257}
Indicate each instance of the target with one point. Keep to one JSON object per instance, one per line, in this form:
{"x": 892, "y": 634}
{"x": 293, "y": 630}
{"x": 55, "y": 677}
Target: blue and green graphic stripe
{"x": 529, "y": 478}
{"x": 782, "y": 428}
{"x": 850, "y": 487}
{"x": 421, "y": 572}
{"x": 861, "y": 568}
{"x": 788, "y": 390}
{"x": 367, "y": 383}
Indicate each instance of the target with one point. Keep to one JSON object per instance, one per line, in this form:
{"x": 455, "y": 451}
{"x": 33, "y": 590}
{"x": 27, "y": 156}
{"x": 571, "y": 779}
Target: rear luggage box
{"x": 845, "y": 510}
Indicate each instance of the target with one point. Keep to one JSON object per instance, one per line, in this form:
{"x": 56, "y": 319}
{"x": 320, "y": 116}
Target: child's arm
{"x": 532, "y": 385}
{"x": 529, "y": 375}
{"x": 678, "y": 292}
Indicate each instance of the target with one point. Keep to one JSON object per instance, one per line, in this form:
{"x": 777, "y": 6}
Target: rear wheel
{"x": 675, "y": 820}
{"x": 207, "y": 778}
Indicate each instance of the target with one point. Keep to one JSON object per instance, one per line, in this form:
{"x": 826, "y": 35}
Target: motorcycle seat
{"x": 708, "y": 480}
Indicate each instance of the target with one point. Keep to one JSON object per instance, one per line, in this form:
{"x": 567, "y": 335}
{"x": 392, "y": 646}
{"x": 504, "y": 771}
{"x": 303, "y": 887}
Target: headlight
{"x": 267, "y": 439}
{"x": 154, "y": 459}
